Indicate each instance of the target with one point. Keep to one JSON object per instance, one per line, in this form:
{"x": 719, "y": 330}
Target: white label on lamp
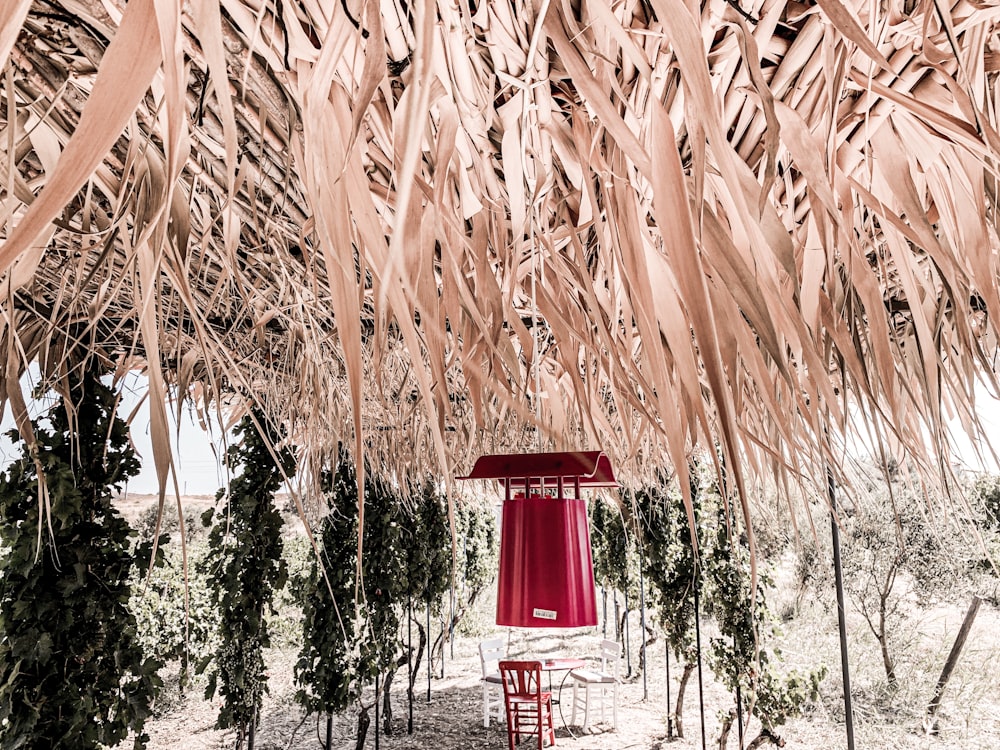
{"x": 544, "y": 614}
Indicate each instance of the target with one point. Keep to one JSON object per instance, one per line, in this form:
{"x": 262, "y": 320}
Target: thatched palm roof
{"x": 645, "y": 225}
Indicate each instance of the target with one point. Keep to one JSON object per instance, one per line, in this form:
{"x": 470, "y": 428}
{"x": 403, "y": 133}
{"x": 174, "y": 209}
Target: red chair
{"x": 529, "y": 708}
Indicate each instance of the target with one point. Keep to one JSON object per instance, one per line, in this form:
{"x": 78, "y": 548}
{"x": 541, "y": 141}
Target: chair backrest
{"x": 521, "y": 679}
{"x": 611, "y": 654}
{"x": 490, "y": 654}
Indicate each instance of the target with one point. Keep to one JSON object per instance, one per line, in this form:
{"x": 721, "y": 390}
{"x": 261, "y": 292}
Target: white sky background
{"x": 197, "y": 457}
{"x": 198, "y": 466}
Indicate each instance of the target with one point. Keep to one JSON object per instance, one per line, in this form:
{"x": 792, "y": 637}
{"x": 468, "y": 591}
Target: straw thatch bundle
{"x": 639, "y": 225}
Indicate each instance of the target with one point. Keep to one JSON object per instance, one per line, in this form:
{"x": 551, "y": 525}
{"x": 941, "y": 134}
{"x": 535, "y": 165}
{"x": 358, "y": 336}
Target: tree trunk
{"x": 387, "y": 692}
{"x": 679, "y": 706}
{"x": 651, "y": 639}
{"x": 766, "y": 735}
{"x": 387, "y": 702}
{"x": 364, "y": 721}
{"x": 421, "y": 643}
{"x": 883, "y": 642}
{"x": 727, "y": 725}
{"x": 457, "y": 614}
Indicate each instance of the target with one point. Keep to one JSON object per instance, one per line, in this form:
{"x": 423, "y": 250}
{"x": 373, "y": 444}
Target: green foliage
{"x": 669, "y": 564}
{"x": 72, "y": 670}
{"x": 985, "y": 497}
{"x": 383, "y": 578}
{"x": 740, "y": 655}
{"x": 614, "y": 549}
{"x": 427, "y": 539}
{"x": 165, "y": 630}
{"x": 245, "y": 567}
{"x": 327, "y": 669}
{"x": 346, "y": 643}
{"x": 478, "y": 550}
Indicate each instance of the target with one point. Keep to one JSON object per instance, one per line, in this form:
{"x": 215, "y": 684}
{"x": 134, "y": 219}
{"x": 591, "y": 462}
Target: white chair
{"x": 591, "y": 687}
{"x": 490, "y": 654}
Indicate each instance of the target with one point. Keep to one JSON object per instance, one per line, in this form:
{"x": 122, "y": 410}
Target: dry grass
{"x": 643, "y": 226}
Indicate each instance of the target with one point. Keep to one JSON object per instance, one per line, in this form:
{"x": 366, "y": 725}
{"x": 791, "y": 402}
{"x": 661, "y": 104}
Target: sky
{"x": 195, "y": 456}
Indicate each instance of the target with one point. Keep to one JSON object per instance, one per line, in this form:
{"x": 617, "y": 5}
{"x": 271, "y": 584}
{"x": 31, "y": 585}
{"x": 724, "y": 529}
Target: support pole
{"x": 377, "y": 721}
{"x": 642, "y": 625}
{"x": 604, "y": 600}
{"x": 409, "y": 663}
{"x": 451, "y": 624}
{"x": 628, "y": 641}
{"x": 430, "y": 665}
{"x": 697, "y": 636}
{"x": 442, "y": 640}
{"x": 739, "y": 705}
{"x": 670, "y": 711}
{"x": 841, "y": 612}
{"x": 949, "y": 665}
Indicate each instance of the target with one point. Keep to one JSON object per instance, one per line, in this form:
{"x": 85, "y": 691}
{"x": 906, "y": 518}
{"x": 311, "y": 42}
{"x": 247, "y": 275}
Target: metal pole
{"x": 628, "y": 645}
{"x": 618, "y": 634}
{"x": 642, "y": 630}
{"x": 442, "y": 640}
{"x": 670, "y": 714}
{"x": 604, "y": 599}
{"x": 409, "y": 662}
{"x": 697, "y": 636}
{"x": 841, "y": 612}
{"x": 739, "y": 705}
{"x": 376, "y": 713}
{"x": 430, "y": 666}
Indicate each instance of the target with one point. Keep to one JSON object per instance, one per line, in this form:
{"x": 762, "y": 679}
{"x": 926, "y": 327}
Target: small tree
{"x": 72, "y": 671}
{"x": 615, "y": 554}
{"x": 427, "y": 541}
{"x": 327, "y": 669}
{"x": 384, "y": 588}
{"x": 245, "y": 567}
{"x": 476, "y": 558}
{"x": 670, "y": 569}
{"x": 890, "y": 540}
{"x": 740, "y": 655}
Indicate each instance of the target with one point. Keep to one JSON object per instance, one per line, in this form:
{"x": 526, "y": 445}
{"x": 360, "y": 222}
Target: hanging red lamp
{"x": 546, "y": 571}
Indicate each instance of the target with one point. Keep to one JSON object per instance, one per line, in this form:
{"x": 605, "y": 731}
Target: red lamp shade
{"x": 546, "y": 571}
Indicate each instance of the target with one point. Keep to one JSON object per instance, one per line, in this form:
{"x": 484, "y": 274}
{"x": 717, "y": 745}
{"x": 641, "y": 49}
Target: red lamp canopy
{"x": 546, "y": 571}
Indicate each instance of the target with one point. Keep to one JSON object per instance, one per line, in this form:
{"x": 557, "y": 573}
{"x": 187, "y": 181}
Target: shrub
{"x": 72, "y": 668}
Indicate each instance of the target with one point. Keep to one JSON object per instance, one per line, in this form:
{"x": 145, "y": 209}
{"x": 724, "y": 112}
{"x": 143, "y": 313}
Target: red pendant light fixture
{"x": 546, "y": 571}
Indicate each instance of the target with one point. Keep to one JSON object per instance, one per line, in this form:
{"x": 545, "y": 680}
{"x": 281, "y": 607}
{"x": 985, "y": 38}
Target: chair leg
{"x": 614, "y": 707}
{"x": 486, "y": 705}
{"x": 586, "y": 708}
{"x": 572, "y": 718}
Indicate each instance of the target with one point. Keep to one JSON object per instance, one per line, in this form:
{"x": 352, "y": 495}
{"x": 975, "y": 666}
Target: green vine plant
{"x": 427, "y": 566}
{"x": 741, "y": 656}
{"x": 384, "y": 591}
{"x": 669, "y": 562}
{"x": 327, "y": 668}
{"x": 354, "y": 639}
{"x": 72, "y": 671}
{"x": 616, "y": 558}
{"x": 245, "y": 568}
{"x": 476, "y": 558}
